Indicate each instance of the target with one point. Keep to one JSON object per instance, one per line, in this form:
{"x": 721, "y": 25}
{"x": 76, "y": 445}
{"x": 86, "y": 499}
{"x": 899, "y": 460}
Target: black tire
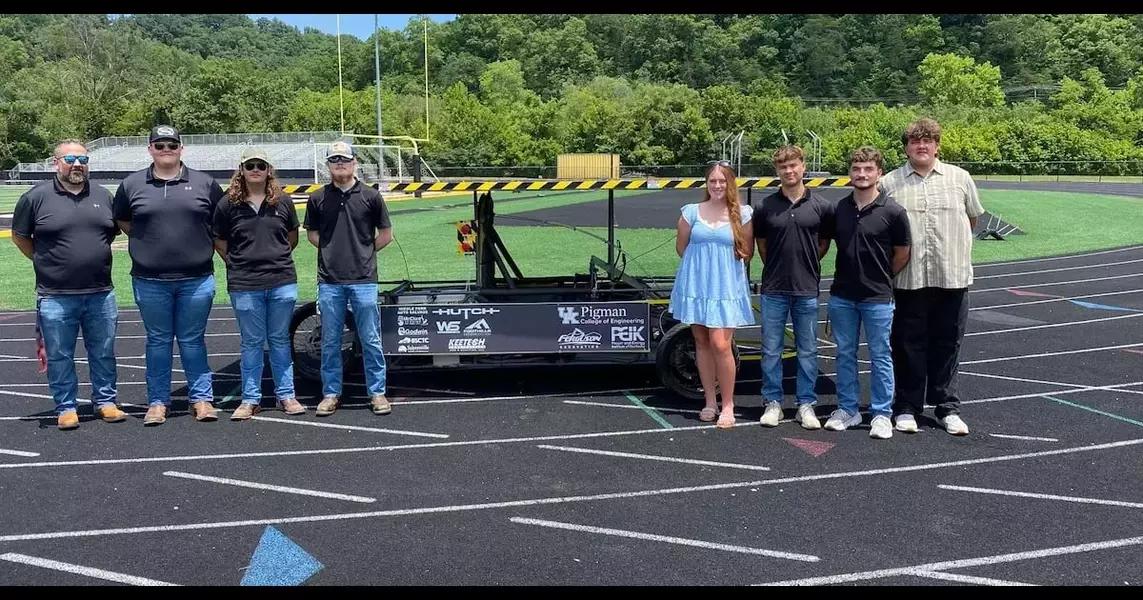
{"x": 305, "y": 343}
{"x": 675, "y": 362}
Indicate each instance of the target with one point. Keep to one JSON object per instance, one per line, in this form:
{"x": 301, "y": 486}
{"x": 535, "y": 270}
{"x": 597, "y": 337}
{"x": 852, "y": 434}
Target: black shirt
{"x": 791, "y": 231}
{"x": 865, "y": 242}
{"x": 347, "y": 224}
{"x": 258, "y": 252}
{"x": 170, "y": 234}
{"x": 71, "y": 237}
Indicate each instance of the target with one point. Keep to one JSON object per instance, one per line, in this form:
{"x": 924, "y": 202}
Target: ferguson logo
{"x": 579, "y": 339}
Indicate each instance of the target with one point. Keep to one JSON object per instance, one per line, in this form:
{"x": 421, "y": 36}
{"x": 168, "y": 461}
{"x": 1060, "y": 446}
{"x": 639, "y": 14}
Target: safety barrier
{"x": 531, "y": 185}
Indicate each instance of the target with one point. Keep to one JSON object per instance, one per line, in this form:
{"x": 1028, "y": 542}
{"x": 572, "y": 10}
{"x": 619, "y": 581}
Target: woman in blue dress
{"x": 711, "y": 291}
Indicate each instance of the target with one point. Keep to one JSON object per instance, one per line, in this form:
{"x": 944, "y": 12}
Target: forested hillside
{"x": 657, "y": 89}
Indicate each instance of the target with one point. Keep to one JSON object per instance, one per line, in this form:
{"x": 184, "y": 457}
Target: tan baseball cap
{"x": 254, "y": 153}
{"x": 340, "y": 149}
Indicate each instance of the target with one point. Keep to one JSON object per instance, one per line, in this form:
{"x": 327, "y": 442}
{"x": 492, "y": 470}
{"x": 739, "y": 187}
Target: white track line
{"x": 1043, "y": 354}
{"x": 272, "y": 488}
{"x": 80, "y": 570}
{"x": 349, "y": 427}
{"x": 72, "y": 533}
{"x": 19, "y": 453}
{"x": 1030, "y": 438}
{"x": 963, "y": 563}
{"x": 1040, "y": 381}
{"x": 1094, "y": 388}
{"x": 1051, "y": 258}
{"x": 1061, "y": 269}
{"x": 1036, "y": 285}
{"x": 1060, "y": 299}
{"x": 685, "y": 461}
{"x": 664, "y": 538}
{"x": 978, "y": 490}
{"x": 969, "y": 579}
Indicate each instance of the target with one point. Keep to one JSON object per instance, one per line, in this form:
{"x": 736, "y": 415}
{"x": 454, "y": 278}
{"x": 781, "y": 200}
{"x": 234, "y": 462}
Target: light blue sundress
{"x": 711, "y": 287}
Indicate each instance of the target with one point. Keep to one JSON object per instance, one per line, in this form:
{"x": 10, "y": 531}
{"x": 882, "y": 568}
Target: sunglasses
{"x": 339, "y": 159}
{"x": 255, "y": 166}
{"x": 167, "y": 146}
{"x": 721, "y": 163}
{"x": 72, "y": 158}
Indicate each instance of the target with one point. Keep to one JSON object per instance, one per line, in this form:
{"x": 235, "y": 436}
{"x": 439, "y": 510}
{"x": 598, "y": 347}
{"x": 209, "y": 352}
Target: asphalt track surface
{"x": 600, "y": 478}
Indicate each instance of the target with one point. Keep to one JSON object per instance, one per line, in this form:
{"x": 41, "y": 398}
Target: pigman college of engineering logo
{"x": 568, "y": 315}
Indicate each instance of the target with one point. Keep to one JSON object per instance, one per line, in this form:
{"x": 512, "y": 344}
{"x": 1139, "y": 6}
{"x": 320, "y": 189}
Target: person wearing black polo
{"x": 348, "y": 223}
{"x": 166, "y": 211}
{"x": 788, "y": 231}
{"x": 65, "y": 226}
{"x": 255, "y": 233}
{"x": 873, "y": 243}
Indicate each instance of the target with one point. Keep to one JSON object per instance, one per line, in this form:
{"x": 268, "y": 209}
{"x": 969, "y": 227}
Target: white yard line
{"x": 268, "y": 487}
{"x": 664, "y": 538}
{"x": 55, "y": 565}
{"x": 671, "y": 459}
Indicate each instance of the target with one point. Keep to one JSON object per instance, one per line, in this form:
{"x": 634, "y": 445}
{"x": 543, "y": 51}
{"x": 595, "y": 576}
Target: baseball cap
{"x": 164, "y": 132}
{"x": 340, "y": 149}
{"x": 253, "y": 153}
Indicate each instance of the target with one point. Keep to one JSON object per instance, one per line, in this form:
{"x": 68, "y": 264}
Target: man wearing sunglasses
{"x": 166, "y": 211}
{"x": 65, "y": 226}
{"x": 348, "y": 223}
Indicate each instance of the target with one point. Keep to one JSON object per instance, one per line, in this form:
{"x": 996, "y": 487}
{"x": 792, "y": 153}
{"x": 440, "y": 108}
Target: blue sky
{"x": 357, "y": 25}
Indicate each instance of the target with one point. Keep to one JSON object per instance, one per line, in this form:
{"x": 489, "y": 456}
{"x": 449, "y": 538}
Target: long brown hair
{"x": 237, "y": 192}
{"x": 733, "y": 209}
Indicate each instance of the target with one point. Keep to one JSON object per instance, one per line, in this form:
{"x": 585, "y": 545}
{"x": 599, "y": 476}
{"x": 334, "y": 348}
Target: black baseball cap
{"x": 164, "y": 132}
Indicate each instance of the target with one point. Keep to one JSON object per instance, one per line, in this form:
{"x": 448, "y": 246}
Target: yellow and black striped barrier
{"x": 530, "y": 185}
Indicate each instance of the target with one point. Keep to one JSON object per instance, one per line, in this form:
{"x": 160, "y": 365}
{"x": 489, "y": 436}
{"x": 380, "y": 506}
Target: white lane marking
{"x": 651, "y": 537}
{"x": 19, "y": 453}
{"x": 71, "y": 533}
{"x": 1051, "y": 300}
{"x": 1077, "y": 499}
{"x": 1037, "y": 285}
{"x": 963, "y": 563}
{"x": 1051, "y": 258}
{"x": 1062, "y": 269}
{"x": 1030, "y": 438}
{"x": 56, "y": 565}
{"x": 1043, "y": 354}
{"x": 685, "y": 461}
{"x": 266, "y": 486}
{"x": 969, "y": 579}
{"x": 349, "y": 427}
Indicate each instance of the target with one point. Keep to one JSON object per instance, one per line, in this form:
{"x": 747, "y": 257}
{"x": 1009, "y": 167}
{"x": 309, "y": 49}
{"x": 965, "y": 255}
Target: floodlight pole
{"x": 377, "y": 69}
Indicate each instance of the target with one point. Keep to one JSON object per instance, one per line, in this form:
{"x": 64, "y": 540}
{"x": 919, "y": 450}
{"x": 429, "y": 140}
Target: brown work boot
{"x": 110, "y": 413}
{"x": 156, "y": 415}
{"x": 67, "y": 420}
{"x": 327, "y": 406}
{"x": 204, "y": 411}
{"x": 380, "y": 405}
{"x": 245, "y": 411}
{"x": 292, "y": 407}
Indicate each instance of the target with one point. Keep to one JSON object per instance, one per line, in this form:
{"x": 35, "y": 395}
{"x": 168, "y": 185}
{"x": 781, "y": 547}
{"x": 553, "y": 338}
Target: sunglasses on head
{"x": 255, "y": 166}
{"x": 167, "y": 146}
{"x": 339, "y": 159}
{"x": 73, "y": 158}
{"x": 721, "y": 163}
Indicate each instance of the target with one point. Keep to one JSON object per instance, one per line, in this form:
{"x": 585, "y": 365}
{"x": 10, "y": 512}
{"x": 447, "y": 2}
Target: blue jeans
{"x": 332, "y": 302}
{"x": 176, "y": 309}
{"x": 61, "y": 318}
{"x": 804, "y": 310}
{"x": 264, "y": 318}
{"x": 846, "y": 318}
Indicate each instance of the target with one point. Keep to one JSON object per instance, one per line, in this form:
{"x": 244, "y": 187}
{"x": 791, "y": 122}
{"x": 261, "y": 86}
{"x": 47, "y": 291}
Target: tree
{"x": 951, "y": 80}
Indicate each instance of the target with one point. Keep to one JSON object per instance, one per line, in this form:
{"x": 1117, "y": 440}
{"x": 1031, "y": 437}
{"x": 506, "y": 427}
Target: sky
{"x": 360, "y": 26}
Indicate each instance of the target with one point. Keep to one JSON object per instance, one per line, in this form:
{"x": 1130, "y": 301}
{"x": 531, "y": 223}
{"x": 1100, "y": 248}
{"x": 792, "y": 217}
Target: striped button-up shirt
{"x": 939, "y": 208}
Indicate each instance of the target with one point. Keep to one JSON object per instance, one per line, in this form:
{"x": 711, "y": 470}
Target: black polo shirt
{"x": 258, "y": 252}
{"x": 347, "y": 224}
{"x": 170, "y": 236}
{"x": 865, "y": 241}
{"x": 71, "y": 237}
{"x": 791, "y": 231}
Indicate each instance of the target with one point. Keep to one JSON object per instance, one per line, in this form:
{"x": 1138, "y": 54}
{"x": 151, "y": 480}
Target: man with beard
{"x": 873, "y": 239}
{"x": 65, "y": 226}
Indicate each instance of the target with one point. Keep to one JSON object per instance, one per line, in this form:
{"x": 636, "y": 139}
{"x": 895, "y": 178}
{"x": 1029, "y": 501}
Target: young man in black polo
{"x": 65, "y": 226}
{"x": 873, "y": 240}
{"x": 788, "y": 231}
{"x": 166, "y": 211}
{"x": 348, "y": 223}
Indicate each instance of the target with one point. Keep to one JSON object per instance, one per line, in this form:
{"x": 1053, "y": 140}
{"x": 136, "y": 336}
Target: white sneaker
{"x": 839, "y": 420}
{"x": 807, "y": 417}
{"x": 881, "y": 428}
{"x": 954, "y": 425}
{"x": 772, "y": 415}
{"x": 907, "y": 423}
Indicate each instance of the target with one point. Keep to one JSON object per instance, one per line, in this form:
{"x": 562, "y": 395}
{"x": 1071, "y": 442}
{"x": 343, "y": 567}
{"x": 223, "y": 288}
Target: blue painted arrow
{"x": 279, "y": 561}
{"x": 1101, "y": 306}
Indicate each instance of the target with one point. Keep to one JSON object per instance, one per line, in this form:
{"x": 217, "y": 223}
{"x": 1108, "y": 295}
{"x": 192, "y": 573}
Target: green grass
{"x": 1065, "y": 178}
{"x": 1056, "y": 222}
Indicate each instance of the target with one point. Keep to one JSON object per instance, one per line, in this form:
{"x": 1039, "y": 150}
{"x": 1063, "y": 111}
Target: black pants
{"x": 928, "y": 325}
